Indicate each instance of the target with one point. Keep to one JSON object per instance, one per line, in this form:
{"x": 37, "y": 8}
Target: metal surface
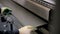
{"x": 24, "y": 17}
{"x": 36, "y": 8}
{"x": 50, "y": 1}
{"x": 45, "y": 3}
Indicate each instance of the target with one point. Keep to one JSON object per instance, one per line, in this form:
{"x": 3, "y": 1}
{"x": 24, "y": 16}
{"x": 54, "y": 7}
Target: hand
{"x": 26, "y": 30}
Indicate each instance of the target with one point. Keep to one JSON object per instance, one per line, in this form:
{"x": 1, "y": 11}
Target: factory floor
{"x": 24, "y": 17}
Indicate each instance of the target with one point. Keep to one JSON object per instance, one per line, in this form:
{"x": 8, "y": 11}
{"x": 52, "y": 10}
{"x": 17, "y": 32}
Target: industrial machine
{"x": 39, "y": 7}
{"x": 43, "y": 9}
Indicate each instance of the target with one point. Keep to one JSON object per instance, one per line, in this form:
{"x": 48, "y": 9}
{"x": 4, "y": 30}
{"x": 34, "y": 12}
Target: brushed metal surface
{"x": 38, "y": 9}
{"x": 24, "y": 17}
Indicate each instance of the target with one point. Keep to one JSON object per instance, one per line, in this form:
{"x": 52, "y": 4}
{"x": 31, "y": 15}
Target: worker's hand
{"x": 26, "y": 30}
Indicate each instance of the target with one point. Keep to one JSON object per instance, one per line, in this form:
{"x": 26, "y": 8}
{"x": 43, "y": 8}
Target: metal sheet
{"x": 24, "y": 17}
{"x": 38, "y": 9}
